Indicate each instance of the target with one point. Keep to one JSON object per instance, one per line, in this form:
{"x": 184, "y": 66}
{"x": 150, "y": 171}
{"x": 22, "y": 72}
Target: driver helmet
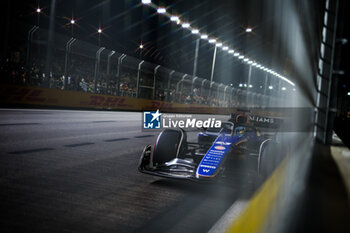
{"x": 240, "y": 131}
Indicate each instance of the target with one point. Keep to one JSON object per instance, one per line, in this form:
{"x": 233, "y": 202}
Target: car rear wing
{"x": 265, "y": 122}
{"x": 245, "y": 116}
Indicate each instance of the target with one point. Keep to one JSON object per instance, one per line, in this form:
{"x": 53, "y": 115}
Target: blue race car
{"x": 173, "y": 157}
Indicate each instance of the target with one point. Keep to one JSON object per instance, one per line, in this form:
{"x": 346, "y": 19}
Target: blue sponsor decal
{"x": 213, "y": 157}
{"x": 152, "y": 120}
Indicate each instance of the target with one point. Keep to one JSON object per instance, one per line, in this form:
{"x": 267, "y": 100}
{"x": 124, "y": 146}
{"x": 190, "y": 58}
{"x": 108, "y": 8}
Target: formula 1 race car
{"x": 173, "y": 156}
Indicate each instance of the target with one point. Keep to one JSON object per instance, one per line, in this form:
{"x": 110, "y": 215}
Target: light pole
{"x": 141, "y": 46}
{"x": 72, "y": 22}
{"x": 213, "y": 41}
{"x": 196, "y": 58}
{"x": 265, "y": 84}
{"x": 213, "y": 65}
{"x": 51, "y": 35}
{"x": 99, "y": 31}
{"x": 38, "y": 11}
{"x": 249, "y": 77}
{"x": 195, "y": 32}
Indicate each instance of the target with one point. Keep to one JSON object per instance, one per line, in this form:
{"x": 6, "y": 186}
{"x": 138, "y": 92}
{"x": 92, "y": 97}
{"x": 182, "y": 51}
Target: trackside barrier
{"x": 261, "y": 206}
{"x": 26, "y": 95}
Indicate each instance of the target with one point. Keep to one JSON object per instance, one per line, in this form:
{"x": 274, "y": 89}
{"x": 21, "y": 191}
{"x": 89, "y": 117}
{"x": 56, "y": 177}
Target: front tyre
{"x": 169, "y": 145}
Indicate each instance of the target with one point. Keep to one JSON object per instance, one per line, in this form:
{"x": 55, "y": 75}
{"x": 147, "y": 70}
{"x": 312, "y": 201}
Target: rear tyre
{"x": 271, "y": 154}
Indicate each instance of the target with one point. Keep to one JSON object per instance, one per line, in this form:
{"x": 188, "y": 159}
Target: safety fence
{"x": 80, "y": 66}
{"x": 49, "y": 97}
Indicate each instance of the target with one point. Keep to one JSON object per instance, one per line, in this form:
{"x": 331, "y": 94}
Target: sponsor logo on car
{"x": 220, "y": 147}
{"x": 224, "y": 143}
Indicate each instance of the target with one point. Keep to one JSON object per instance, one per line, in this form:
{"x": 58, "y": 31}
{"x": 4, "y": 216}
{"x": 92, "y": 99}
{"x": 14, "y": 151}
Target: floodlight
{"x": 161, "y": 10}
{"x": 185, "y": 25}
{"x": 174, "y": 18}
{"x": 195, "y": 31}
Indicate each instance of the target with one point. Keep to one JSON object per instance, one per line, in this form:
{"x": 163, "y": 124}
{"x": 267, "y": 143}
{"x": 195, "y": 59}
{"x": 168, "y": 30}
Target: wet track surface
{"x": 76, "y": 171}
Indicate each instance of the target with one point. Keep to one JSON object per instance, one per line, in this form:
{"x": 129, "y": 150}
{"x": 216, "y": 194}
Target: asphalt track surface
{"x": 76, "y": 171}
